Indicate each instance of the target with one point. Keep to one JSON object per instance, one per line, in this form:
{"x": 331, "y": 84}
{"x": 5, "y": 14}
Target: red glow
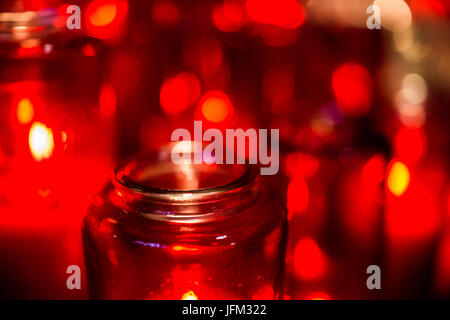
{"x": 361, "y": 197}
{"x": 228, "y": 16}
{"x": 410, "y": 144}
{"x": 216, "y": 107}
{"x": 278, "y": 88}
{"x": 288, "y": 14}
{"x": 301, "y": 164}
{"x": 104, "y": 18}
{"x": 61, "y": 19}
{"x": 88, "y": 50}
{"x": 448, "y": 204}
{"x": 165, "y": 12}
{"x": 107, "y": 100}
{"x": 179, "y": 92}
{"x": 204, "y": 55}
{"x": 416, "y": 213}
{"x": 185, "y": 283}
{"x": 154, "y": 132}
{"x": 427, "y": 8}
{"x": 266, "y": 293}
{"x": 277, "y": 37}
{"x": 29, "y": 51}
{"x": 184, "y": 248}
{"x": 373, "y": 171}
{"x": 297, "y": 196}
{"x": 309, "y": 260}
{"x": 352, "y": 86}
{"x": 318, "y": 296}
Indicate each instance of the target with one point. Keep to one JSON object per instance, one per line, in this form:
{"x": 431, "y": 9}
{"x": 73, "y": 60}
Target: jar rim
{"x": 123, "y": 180}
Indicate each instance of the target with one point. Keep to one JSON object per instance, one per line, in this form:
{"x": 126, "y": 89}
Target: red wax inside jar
{"x": 166, "y": 231}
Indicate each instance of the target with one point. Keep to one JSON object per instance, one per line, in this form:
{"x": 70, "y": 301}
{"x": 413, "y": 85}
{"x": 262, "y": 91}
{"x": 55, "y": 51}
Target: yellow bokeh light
{"x": 25, "y": 111}
{"x": 398, "y": 178}
{"x": 41, "y": 141}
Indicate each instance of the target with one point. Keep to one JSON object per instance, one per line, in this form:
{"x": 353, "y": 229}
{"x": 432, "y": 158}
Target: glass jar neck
{"x": 187, "y": 193}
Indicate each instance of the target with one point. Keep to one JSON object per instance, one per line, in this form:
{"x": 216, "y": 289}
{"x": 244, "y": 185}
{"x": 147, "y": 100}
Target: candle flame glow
{"x": 398, "y": 178}
{"x": 190, "y": 295}
{"x": 41, "y": 141}
{"x": 318, "y": 296}
{"x": 25, "y": 111}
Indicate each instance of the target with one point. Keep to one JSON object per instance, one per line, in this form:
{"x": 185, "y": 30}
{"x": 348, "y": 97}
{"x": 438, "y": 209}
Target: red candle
{"x": 56, "y": 154}
{"x": 43, "y": 196}
{"x": 412, "y": 223}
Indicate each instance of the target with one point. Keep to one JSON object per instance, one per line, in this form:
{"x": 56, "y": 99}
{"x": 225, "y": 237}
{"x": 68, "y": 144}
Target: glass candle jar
{"x": 166, "y": 231}
{"x": 57, "y": 129}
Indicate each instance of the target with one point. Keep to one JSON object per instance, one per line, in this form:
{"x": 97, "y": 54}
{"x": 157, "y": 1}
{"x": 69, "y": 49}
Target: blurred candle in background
{"x": 57, "y": 148}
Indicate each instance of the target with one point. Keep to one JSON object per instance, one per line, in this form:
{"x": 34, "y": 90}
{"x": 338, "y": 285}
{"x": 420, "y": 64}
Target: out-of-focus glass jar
{"x": 166, "y": 231}
{"x": 57, "y": 129}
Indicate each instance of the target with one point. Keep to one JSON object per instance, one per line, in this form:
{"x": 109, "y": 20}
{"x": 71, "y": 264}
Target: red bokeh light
{"x": 309, "y": 260}
{"x": 352, "y": 86}
{"x": 287, "y": 14}
{"x": 104, "y": 18}
{"x": 373, "y": 171}
{"x": 179, "y": 92}
{"x": 301, "y": 164}
{"x": 410, "y": 144}
{"x": 61, "y": 19}
{"x": 427, "y": 8}
{"x": 107, "y": 100}
{"x": 28, "y": 51}
{"x": 165, "y": 12}
{"x": 88, "y": 50}
{"x": 228, "y": 16}
{"x": 297, "y": 196}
